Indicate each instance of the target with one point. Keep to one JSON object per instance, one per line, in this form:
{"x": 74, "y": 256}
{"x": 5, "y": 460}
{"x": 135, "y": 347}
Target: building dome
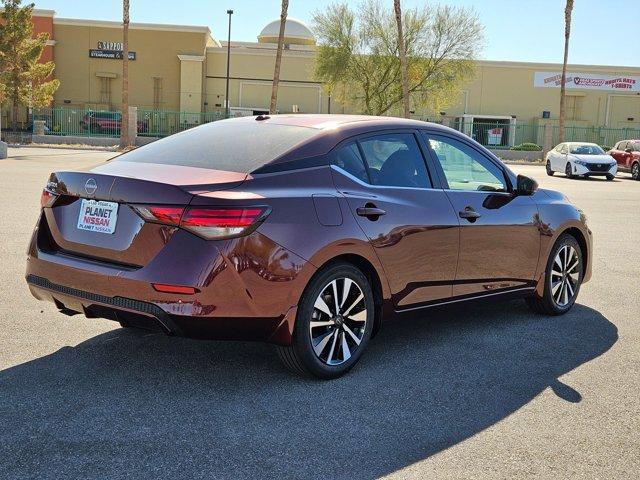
{"x": 295, "y": 33}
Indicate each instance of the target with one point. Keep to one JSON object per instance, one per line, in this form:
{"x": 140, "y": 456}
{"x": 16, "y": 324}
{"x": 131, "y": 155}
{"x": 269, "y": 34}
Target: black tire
{"x": 548, "y": 167}
{"x": 610, "y": 178}
{"x": 635, "y": 171}
{"x": 567, "y": 170}
{"x": 300, "y": 357}
{"x": 546, "y": 304}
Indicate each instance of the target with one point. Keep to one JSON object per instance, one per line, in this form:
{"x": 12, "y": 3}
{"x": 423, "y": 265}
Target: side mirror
{"x": 628, "y": 150}
{"x": 526, "y": 185}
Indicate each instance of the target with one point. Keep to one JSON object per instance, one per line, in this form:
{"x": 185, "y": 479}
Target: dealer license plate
{"x": 98, "y": 216}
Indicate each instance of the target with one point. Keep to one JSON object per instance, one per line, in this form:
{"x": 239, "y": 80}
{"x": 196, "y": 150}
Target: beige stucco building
{"x": 183, "y": 68}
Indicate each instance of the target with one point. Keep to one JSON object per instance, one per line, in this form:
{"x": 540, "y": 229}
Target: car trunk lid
{"x": 112, "y": 190}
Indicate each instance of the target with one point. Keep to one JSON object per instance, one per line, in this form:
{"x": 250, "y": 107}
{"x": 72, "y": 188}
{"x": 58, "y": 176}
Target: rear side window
{"x": 223, "y": 145}
{"x": 348, "y": 158}
{"x": 395, "y": 160}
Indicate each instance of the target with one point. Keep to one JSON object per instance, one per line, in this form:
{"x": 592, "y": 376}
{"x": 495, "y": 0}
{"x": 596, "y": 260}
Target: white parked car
{"x": 581, "y": 160}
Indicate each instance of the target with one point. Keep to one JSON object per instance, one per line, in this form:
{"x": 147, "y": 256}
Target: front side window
{"x": 564, "y": 149}
{"x": 395, "y": 160}
{"x": 464, "y": 167}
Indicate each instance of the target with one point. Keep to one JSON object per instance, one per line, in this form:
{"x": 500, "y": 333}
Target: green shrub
{"x": 527, "y": 147}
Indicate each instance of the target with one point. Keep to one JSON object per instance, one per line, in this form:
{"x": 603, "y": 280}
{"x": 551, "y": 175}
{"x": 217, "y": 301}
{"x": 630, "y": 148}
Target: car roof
{"x": 330, "y": 121}
{"x": 333, "y": 129}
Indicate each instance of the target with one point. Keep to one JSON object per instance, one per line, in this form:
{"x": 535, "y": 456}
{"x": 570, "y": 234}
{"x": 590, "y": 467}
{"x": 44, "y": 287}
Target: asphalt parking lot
{"x": 488, "y": 390}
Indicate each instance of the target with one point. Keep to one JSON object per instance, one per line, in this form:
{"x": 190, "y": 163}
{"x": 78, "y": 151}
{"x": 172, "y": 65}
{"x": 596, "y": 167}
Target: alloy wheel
{"x": 548, "y": 167}
{"x": 338, "y": 321}
{"x": 635, "y": 171}
{"x": 568, "y": 171}
{"x": 565, "y": 275}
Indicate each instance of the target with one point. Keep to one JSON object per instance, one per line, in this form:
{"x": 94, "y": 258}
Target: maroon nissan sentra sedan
{"x": 305, "y": 231}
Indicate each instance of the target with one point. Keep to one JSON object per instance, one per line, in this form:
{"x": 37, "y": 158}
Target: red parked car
{"x": 627, "y": 154}
{"x": 305, "y": 231}
{"x": 107, "y": 122}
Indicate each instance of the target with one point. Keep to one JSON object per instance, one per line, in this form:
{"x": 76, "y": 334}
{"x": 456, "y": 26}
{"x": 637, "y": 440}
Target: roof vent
{"x": 261, "y": 117}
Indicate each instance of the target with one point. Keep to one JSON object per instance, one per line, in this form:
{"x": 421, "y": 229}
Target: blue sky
{"x": 603, "y": 32}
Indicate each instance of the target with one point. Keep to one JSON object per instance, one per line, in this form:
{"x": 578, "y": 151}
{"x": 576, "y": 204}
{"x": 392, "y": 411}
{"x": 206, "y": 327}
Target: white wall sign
{"x": 495, "y": 136}
{"x": 119, "y": 46}
{"x": 588, "y": 81}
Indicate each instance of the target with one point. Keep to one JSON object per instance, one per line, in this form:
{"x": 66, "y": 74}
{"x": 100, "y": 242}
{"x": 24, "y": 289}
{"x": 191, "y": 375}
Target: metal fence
{"x": 81, "y": 122}
{"x": 158, "y": 123}
{"x": 603, "y": 136}
{"x": 499, "y": 134}
{"x": 502, "y": 135}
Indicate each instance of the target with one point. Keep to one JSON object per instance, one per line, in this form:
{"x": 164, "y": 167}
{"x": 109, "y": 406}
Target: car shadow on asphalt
{"x": 127, "y": 404}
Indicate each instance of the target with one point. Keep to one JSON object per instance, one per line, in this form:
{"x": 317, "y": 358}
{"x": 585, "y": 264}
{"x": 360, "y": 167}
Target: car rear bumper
{"x": 149, "y": 316}
{"x": 72, "y": 300}
{"x": 247, "y": 289}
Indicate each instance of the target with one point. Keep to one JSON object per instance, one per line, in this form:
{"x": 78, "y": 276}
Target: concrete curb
{"x": 537, "y": 163}
{"x": 519, "y": 155}
{"x": 45, "y": 146}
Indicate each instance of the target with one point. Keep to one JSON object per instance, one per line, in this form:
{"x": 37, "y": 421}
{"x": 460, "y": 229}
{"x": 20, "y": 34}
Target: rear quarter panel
{"x": 294, "y": 222}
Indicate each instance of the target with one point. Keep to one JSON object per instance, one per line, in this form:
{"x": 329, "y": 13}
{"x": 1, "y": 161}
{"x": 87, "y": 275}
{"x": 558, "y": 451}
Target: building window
{"x": 157, "y": 93}
{"x": 573, "y": 107}
{"x": 105, "y": 90}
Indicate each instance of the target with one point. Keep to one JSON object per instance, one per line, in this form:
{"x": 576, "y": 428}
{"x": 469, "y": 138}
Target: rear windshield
{"x": 223, "y": 145}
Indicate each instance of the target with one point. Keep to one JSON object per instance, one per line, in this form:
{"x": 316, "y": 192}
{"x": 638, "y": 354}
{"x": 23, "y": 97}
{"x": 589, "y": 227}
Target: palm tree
{"x": 276, "y": 72}
{"x": 403, "y": 59}
{"x": 567, "y": 32}
{"x": 125, "y": 141}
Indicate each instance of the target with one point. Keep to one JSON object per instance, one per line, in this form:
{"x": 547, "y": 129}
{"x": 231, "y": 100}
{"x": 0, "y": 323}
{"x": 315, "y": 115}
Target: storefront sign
{"x": 111, "y": 46}
{"x": 589, "y": 81}
{"x": 110, "y": 54}
{"x": 110, "y": 50}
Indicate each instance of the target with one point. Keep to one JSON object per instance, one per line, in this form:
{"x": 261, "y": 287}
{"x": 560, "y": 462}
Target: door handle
{"x": 370, "y": 211}
{"x": 470, "y": 214}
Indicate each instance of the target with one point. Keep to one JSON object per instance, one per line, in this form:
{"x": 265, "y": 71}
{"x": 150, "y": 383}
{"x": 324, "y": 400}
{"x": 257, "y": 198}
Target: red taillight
{"x": 207, "y": 222}
{"x": 222, "y": 222}
{"x": 179, "y": 289}
{"x": 221, "y": 217}
{"x": 161, "y": 214}
{"x": 47, "y": 198}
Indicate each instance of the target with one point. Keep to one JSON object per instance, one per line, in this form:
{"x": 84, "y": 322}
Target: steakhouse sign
{"x": 589, "y": 81}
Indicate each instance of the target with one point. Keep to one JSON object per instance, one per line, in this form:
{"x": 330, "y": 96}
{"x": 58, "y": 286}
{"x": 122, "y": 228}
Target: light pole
{"x": 226, "y": 95}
